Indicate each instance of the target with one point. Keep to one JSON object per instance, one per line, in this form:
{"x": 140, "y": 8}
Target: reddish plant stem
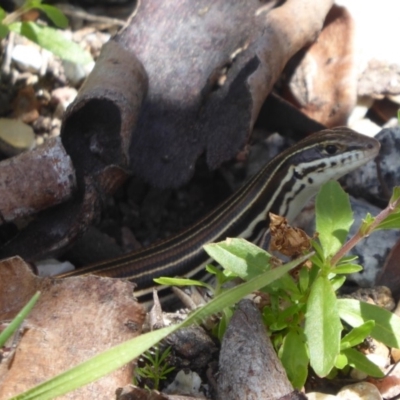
{"x": 362, "y": 233}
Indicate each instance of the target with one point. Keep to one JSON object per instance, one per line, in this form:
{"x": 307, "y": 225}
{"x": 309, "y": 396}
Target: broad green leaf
{"x": 117, "y": 356}
{"x": 356, "y": 335}
{"x": 333, "y": 217}
{"x": 294, "y": 357}
{"x": 17, "y": 321}
{"x": 239, "y": 256}
{"x": 54, "y": 14}
{"x": 181, "y": 282}
{"x": 322, "y": 326}
{"x": 387, "y": 324}
{"x": 2, "y": 14}
{"x": 358, "y": 360}
{"x": 52, "y": 40}
{"x": 346, "y": 269}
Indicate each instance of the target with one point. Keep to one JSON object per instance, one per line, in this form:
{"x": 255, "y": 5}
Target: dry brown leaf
{"x": 74, "y": 320}
{"x": 324, "y": 84}
{"x": 286, "y": 239}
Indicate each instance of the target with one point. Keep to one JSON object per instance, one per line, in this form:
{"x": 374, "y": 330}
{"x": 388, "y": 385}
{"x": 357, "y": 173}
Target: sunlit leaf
{"x": 54, "y": 14}
{"x": 387, "y": 324}
{"x": 294, "y": 357}
{"x": 52, "y": 40}
{"x": 357, "y": 335}
{"x": 346, "y": 269}
{"x": 334, "y": 217}
{"x": 358, "y": 360}
{"x": 239, "y": 256}
{"x": 322, "y": 326}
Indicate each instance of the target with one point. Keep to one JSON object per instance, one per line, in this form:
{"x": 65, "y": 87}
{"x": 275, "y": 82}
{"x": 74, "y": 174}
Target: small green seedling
{"x": 155, "y": 369}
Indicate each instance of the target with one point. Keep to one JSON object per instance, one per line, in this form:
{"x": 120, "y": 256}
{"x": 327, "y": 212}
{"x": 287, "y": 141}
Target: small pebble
{"x": 185, "y": 383}
{"x": 359, "y": 391}
{"x": 76, "y": 73}
{"x": 15, "y": 136}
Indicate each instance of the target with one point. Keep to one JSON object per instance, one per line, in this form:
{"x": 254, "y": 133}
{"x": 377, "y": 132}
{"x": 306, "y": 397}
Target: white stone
{"x": 27, "y": 58}
{"x": 185, "y": 384}
{"x": 76, "y": 73}
{"x": 51, "y": 267}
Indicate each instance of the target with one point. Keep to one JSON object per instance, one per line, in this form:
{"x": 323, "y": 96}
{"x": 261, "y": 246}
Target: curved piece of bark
{"x": 35, "y": 180}
{"x": 187, "y": 49}
{"x": 248, "y": 365}
{"x": 97, "y": 127}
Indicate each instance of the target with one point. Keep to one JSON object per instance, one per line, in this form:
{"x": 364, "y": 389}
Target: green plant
{"x": 299, "y": 329}
{"x": 155, "y": 368}
{"x": 49, "y": 38}
{"x": 304, "y": 316}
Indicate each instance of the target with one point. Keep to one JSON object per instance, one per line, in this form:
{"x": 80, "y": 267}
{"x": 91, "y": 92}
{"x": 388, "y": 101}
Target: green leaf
{"x": 337, "y": 282}
{"x": 346, "y": 269}
{"x": 17, "y": 321}
{"x": 3, "y": 31}
{"x": 239, "y": 256}
{"x": 395, "y": 194}
{"x": 322, "y": 326}
{"x": 54, "y": 14}
{"x": 294, "y": 357}
{"x": 341, "y": 361}
{"x": 2, "y": 14}
{"x": 181, "y": 282}
{"x": 333, "y": 217}
{"x": 52, "y": 40}
{"x": 347, "y": 259}
{"x": 387, "y": 324}
{"x": 117, "y": 356}
{"x": 356, "y": 335}
{"x": 392, "y": 221}
{"x": 304, "y": 279}
{"x": 366, "y": 224}
{"x": 361, "y": 362}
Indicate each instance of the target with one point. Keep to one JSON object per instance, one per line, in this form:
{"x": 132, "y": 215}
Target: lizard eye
{"x": 331, "y": 149}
